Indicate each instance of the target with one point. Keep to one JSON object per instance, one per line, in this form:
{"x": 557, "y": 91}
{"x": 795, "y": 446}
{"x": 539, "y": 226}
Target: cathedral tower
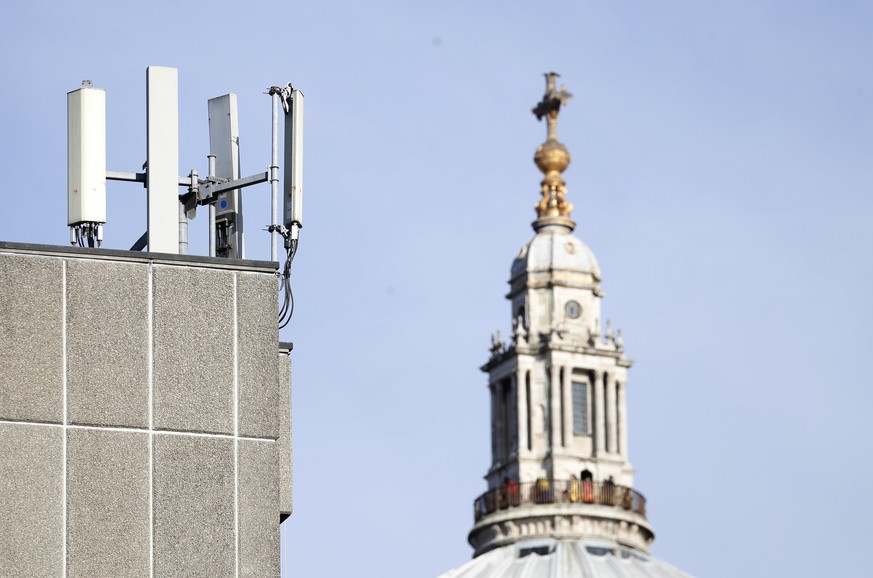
{"x": 558, "y": 404}
{"x": 561, "y": 499}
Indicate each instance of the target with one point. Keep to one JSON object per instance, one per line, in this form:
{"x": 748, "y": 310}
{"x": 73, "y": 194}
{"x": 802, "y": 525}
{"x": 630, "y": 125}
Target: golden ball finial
{"x": 552, "y": 158}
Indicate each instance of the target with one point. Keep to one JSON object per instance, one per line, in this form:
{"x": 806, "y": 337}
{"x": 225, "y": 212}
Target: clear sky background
{"x": 721, "y": 173}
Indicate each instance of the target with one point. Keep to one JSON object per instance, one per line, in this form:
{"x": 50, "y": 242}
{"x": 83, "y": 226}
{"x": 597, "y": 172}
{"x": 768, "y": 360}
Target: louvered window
{"x": 580, "y": 408}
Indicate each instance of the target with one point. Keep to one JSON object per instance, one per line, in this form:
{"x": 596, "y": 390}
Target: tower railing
{"x": 573, "y": 491}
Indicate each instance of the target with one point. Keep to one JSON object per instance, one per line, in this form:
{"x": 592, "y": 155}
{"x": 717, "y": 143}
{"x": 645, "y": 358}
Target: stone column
{"x": 512, "y": 422}
{"x": 521, "y": 413}
{"x": 611, "y": 425}
{"x": 622, "y": 420}
{"x": 599, "y": 411}
{"x": 549, "y": 402}
{"x": 555, "y": 406}
{"x": 494, "y": 425}
{"x": 568, "y": 407}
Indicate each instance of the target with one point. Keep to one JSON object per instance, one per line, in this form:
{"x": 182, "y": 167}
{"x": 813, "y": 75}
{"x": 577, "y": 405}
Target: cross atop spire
{"x": 552, "y": 158}
{"x": 550, "y": 105}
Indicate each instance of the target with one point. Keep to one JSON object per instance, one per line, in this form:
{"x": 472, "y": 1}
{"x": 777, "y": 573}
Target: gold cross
{"x": 550, "y": 105}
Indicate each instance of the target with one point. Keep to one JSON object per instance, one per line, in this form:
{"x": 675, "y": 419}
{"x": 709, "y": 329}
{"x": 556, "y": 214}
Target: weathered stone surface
{"x": 107, "y": 503}
{"x": 286, "y": 504}
{"x": 193, "y": 349}
{"x": 258, "y": 341}
{"x": 31, "y": 500}
{"x": 107, "y": 345}
{"x": 97, "y": 303}
{"x": 31, "y": 333}
{"x": 193, "y": 506}
{"x": 258, "y": 509}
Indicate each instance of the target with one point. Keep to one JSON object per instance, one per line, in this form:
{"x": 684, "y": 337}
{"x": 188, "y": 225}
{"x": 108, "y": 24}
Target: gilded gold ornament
{"x": 552, "y": 158}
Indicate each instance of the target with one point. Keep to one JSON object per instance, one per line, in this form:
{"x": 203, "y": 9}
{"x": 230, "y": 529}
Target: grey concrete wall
{"x": 144, "y": 415}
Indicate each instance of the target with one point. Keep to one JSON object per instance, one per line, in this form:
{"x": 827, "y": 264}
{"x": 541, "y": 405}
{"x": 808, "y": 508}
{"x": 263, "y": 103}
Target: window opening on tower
{"x": 580, "y": 408}
{"x": 563, "y": 425}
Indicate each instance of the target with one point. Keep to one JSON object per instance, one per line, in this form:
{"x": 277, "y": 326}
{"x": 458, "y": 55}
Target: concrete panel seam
{"x": 108, "y": 427}
{"x": 136, "y": 430}
{"x": 211, "y": 435}
{"x": 64, "y": 416}
{"x": 196, "y": 432}
{"x": 173, "y": 432}
{"x": 29, "y": 422}
{"x": 150, "y": 363}
{"x": 236, "y": 422}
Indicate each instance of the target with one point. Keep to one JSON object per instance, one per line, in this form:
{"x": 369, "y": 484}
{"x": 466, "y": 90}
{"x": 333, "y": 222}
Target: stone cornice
{"x": 561, "y": 520}
{"x": 544, "y": 347}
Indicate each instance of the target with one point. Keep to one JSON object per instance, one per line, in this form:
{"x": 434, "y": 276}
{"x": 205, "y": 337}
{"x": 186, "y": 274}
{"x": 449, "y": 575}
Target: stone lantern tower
{"x": 560, "y": 492}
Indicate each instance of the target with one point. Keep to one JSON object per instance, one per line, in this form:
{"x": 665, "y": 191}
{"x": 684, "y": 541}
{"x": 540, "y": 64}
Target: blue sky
{"x": 721, "y": 173}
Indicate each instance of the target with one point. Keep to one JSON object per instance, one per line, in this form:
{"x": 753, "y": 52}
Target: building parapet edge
{"x": 140, "y": 257}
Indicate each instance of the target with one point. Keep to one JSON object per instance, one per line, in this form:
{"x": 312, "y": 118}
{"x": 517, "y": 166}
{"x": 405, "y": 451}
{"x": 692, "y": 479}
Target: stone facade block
{"x": 258, "y": 343}
{"x": 193, "y": 349}
{"x": 286, "y": 504}
{"x": 194, "y": 506}
{"x": 107, "y": 503}
{"x": 31, "y": 338}
{"x": 258, "y": 507}
{"x": 187, "y": 485}
{"x": 107, "y": 347}
{"x": 31, "y": 500}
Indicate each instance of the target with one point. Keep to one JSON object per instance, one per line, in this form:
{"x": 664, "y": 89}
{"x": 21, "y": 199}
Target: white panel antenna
{"x": 86, "y": 164}
{"x": 168, "y": 210}
{"x": 162, "y": 171}
{"x": 224, "y": 144}
{"x": 293, "y": 185}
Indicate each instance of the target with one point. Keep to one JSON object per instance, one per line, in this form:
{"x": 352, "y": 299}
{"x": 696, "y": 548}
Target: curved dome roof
{"x": 555, "y": 248}
{"x": 565, "y": 559}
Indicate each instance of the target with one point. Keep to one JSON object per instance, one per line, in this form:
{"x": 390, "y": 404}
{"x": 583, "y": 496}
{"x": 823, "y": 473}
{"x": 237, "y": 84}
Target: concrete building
{"x": 561, "y": 500}
{"x": 144, "y": 414}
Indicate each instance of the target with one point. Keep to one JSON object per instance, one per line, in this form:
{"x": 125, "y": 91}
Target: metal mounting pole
{"x": 211, "y": 208}
{"x": 274, "y": 176}
{"x": 183, "y": 230}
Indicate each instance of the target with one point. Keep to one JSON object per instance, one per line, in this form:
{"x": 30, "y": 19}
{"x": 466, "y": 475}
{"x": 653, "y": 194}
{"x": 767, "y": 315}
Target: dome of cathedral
{"x": 555, "y": 249}
{"x": 565, "y": 559}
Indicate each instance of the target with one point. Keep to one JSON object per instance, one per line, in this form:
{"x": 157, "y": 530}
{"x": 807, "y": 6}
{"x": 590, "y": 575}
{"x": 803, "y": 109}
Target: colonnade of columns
{"x": 507, "y": 408}
{"x": 513, "y": 428}
{"x": 609, "y": 411}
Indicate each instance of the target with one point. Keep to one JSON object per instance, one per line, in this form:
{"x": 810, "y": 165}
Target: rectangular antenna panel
{"x": 224, "y": 144}
{"x": 162, "y": 172}
{"x": 86, "y": 156}
{"x": 293, "y": 185}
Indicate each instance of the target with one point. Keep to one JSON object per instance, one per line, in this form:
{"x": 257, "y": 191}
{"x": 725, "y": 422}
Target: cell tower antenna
{"x": 168, "y": 209}
{"x": 86, "y": 164}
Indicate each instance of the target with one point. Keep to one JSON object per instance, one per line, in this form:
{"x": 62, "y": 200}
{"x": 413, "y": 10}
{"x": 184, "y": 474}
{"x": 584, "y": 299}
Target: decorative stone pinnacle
{"x": 552, "y": 158}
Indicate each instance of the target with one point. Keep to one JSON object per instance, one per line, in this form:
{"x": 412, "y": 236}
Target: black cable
{"x": 287, "y": 309}
{"x": 284, "y": 288}
{"x": 290, "y": 311}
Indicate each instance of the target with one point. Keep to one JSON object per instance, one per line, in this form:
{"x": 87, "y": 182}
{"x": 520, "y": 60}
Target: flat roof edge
{"x": 139, "y": 257}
